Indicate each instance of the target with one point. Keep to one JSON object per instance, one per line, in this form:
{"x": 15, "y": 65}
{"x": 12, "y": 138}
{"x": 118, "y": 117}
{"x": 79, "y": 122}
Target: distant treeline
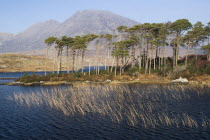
{"x": 143, "y": 46}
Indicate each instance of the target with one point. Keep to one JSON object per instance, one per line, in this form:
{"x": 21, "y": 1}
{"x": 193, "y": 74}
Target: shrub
{"x": 77, "y": 74}
{"x": 133, "y": 71}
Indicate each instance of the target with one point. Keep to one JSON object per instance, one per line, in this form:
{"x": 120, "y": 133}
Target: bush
{"x": 133, "y": 71}
{"x": 77, "y": 74}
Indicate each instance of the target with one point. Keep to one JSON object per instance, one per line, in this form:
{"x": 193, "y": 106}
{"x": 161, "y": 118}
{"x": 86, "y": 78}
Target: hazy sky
{"x": 17, "y": 15}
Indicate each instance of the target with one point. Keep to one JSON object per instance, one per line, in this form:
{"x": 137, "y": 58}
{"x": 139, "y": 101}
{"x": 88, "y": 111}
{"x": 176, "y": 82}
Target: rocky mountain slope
{"x": 4, "y": 37}
{"x": 93, "y": 22}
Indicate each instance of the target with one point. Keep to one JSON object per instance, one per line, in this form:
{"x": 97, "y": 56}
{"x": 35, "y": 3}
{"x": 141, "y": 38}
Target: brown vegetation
{"x": 24, "y": 63}
{"x": 143, "y": 105}
{"x": 20, "y": 63}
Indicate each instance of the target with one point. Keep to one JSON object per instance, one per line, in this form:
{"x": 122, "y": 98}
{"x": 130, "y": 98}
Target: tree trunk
{"x": 154, "y": 60}
{"x": 187, "y": 55}
{"x": 77, "y": 60}
{"x": 98, "y": 68}
{"x": 195, "y": 53}
{"x": 159, "y": 58}
{"x": 112, "y": 65}
{"x": 140, "y": 62}
{"x": 73, "y": 59}
{"x": 121, "y": 66}
{"x": 105, "y": 65}
{"x": 164, "y": 55}
{"x": 60, "y": 65}
{"x": 67, "y": 57}
{"x": 208, "y": 57}
{"x": 106, "y": 59}
{"x": 120, "y": 70}
{"x": 177, "y": 51}
{"x": 83, "y": 54}
{"x": 108, "y": 68}
{"x": 150, "y": 61}
{"x": 115, "y": 73}
{"x": 46, "y": 60}
{"x": 147, "y": 60}
{"x": 96, "y": 53}
{"x": 59, "y": 61}
{"x": 154, "y": 63}
{"x": 143, "y": 64}
{"x": 156, "y": 51}
{"x": 174, "y": 57}
{"x": 89, "y": 67}
{"x": 133, "y": 57}
{"x": 54, "y": 62}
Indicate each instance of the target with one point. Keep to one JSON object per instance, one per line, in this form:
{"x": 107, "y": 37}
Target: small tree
{"x": 59, "y": 48}
{"x": 87, "y": 39}
{"x": 179, "y": 27}
{"x": 122, "y": 32}
{"x": 120, "y": 52}
{"x": 49, "y": 41}
{"x": 189, "y": 40}
{"x": 68, "y": 43}
{"x": 200, "y": 35}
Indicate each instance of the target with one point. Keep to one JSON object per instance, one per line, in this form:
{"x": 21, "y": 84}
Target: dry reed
{"x": 143, "y": 105}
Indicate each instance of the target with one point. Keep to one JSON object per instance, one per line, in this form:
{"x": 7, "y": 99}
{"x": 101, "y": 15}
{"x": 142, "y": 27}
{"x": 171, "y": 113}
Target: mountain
{"x": 4, "y": 37}
{"x": 81, "y": 23}
{"x": 93, "y": 22}
{"x": 30, "y": 39}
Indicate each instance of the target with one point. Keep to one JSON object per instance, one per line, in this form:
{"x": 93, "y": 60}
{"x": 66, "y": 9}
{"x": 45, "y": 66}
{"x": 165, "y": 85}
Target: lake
{"x": 182, "y": 106}
{"x": 20, "y": 74}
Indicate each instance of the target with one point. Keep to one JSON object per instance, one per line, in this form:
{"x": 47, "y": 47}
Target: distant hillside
{"x": 83, "y": 22}
{"x": 20, "y": 63}
{"x": 30, "y": 39}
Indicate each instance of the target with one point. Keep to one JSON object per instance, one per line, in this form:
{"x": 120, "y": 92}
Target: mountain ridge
{"x": 80, "y": 23}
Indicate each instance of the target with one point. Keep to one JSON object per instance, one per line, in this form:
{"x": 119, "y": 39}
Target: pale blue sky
{"x": 17, "y": 15}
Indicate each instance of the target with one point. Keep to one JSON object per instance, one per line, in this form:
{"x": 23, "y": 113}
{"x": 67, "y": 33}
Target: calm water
{"x": 43, "y": 122}
{"x": 20, "y": 74}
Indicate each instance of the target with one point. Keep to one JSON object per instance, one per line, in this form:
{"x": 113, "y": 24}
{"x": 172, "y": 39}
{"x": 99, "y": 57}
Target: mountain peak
{"x": 93, "y": 21}
{"x": 92, "y": 11}
{"x": 96, "y": 13}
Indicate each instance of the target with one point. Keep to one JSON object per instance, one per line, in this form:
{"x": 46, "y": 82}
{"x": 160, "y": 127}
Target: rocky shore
{"x": 203, "y": 80}
{"x": 115, "y": 82}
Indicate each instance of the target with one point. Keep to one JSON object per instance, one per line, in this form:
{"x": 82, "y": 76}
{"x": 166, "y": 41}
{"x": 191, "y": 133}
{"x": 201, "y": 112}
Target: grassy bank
{"x": 103, "y": 78}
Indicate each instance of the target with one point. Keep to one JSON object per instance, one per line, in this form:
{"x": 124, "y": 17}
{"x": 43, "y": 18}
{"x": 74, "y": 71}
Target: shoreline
{"x": 202, "y": 80}
{"x": 115, "y": 82}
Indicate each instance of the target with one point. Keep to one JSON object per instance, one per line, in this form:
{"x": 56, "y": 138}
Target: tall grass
{"x": 136, "y": 105}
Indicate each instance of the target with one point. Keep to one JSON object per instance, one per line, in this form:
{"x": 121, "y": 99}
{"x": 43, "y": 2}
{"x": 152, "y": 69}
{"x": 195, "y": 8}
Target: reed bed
{"x": 147, "y": 106}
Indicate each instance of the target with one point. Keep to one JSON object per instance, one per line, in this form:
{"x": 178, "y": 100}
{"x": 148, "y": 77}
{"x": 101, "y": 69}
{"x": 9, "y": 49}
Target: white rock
{"x": 180, "y": 80}
{"x": 108, "y": 80}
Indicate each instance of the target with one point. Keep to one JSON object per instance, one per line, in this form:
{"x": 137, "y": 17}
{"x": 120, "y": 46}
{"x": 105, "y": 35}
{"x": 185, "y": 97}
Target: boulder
{"x": 108, "y": 81}
{"x": 180, "y": 80}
